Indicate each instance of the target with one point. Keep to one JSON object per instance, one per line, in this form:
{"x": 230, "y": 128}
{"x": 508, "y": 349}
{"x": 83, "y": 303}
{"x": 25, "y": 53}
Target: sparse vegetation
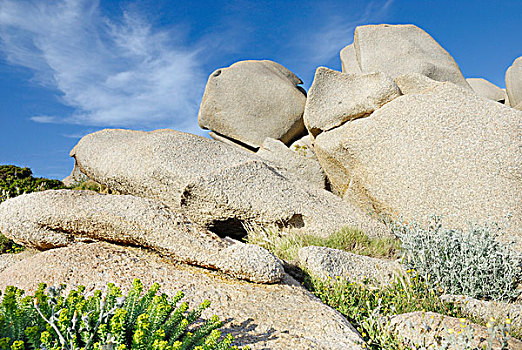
{"x": 285, "y": 245}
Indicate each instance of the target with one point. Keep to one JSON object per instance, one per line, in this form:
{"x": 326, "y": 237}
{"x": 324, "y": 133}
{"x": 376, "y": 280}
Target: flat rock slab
{"x": 410, "y": 327}
{"x": 252, "y": 100}
{"x": 335, "y": 98}
{"x": 53, "y": 219}
{"x": 157, "y": 164}
{"x": 9, "y": 259}
{"x": 484, "y": 309}
{"x": 325, "y": 262}
{"x": 277, "y": 317}
{"x": 444, "y": 152}
{"x": 514, "y": 84}
{"x": 487, "y": 89}
{"x": 402, "y": 49}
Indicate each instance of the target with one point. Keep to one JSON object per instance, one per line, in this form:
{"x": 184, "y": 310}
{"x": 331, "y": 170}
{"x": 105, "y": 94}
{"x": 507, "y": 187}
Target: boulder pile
{"x": 399, "y": 133}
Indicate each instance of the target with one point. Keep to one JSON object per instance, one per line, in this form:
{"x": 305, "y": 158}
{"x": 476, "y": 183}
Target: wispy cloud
{"x": 113, "y": 71}
{"x": 336, "y": 31}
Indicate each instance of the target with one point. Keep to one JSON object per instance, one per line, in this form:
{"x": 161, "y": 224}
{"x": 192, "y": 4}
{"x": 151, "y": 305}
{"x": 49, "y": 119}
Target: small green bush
{"x": 138, "y": 321}
{"x": 471, "y": 262}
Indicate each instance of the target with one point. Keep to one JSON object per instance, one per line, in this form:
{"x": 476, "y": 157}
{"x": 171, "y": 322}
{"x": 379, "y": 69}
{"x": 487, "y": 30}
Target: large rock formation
{"x": 256, "y": 192}
{"x": 400, "y": 49}
{"x": 53, "y": 219}
{"x": 443, "y": 152}
{"x": 157, "y": 164}
{"x": 514, "y": 84}
{"x": 252, "y": 100}
{"x": 349, "y": 63}
{"x": 216, "y": 185}
{"x": 336, "y": 98}
{"x": 487, "y": 89}
{"x": 277, "y": 317}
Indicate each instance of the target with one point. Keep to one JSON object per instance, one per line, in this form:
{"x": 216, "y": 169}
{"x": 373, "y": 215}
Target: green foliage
{"x": 369, "y": 309}
{"x": 471, "y": 262}
{"x": 15, "y": 181}
{"x": 106, "y": 321}
{"x": 286, "y": 245}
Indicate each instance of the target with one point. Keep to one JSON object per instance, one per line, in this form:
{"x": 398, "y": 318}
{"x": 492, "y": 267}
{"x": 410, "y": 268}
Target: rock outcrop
{"x": 336, "y": 98}
{"x": 252, "y": 100}
{"x": 411, "y": 328}
{"x": 277, "y": 317}
{"x": 214, "y": 184}
{"x": 514, "y": 84}
{"x": 295, "y": 164}
{"x": 51, "y": 219}
{"x": 443, "y": 152}
{"x": 322, "y": 262}
{"x": 157, "y": 164}
{"x": 401, "y": 49}
{"x": 487, "y": 89}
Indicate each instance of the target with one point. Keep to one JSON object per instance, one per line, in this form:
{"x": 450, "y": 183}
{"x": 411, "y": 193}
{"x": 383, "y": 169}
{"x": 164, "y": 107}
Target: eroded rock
{"x": 252, "y": 100}
{"x": 51, "y": 219}
{"x": 277, "y": 317}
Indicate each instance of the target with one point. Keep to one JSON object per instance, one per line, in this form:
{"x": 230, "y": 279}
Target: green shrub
{"x": 285, "y": 245}
{"x": 471, "y": 262}
{"x": 15, "y": 181}
{"x": 106, "y": 321}
{"x": 369, "y": 309}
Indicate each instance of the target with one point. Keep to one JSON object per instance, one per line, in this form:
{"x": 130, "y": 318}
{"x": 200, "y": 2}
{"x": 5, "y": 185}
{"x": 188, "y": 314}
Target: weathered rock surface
{"x": 221, "y": 138}
{"x": 277, "y": 317}
{"x": 514, "y": 84}
{"x": 444, "y": 152}
{"x": 484, "y": 310}
{"x": 415, "y": 83}
{"x": 325, "y": 262}
{"x": 402, "y": 49}
{"x": 336, "y": 98}
{"x": 75, "y": 177}
{"x": 9, "y": 259}
{"x": 292, "y": 163}
{"x": 304, "y": 147}
{"x": 157, "y": 164}
{"x": 349, "y": 63}
{"x": 53, "y": 219}
{"x": 252, "y": 100}
{"x": 487, "y": 89}
{"x": 255, "y": 192}
{"x": 216, "y": 185}
{"x": 410, "y": 327}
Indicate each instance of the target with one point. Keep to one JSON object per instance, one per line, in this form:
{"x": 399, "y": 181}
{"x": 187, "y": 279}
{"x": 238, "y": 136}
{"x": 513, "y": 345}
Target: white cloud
{"x": 113, "y": 71}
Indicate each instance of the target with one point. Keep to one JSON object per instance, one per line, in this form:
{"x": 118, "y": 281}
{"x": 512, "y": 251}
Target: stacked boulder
{"x": 399, "y": 133}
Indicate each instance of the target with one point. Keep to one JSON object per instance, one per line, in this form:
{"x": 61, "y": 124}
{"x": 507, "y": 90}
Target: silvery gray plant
{"x": 470, "y": 262}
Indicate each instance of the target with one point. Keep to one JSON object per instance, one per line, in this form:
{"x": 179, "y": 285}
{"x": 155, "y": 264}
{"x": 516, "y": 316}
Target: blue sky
{"x": 71, "y": 67}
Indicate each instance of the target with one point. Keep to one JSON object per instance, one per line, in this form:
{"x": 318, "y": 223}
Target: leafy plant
{"x": 471, "y": 262}
{"x": 285, "y": 245}
{"x": 106, "y": 321}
